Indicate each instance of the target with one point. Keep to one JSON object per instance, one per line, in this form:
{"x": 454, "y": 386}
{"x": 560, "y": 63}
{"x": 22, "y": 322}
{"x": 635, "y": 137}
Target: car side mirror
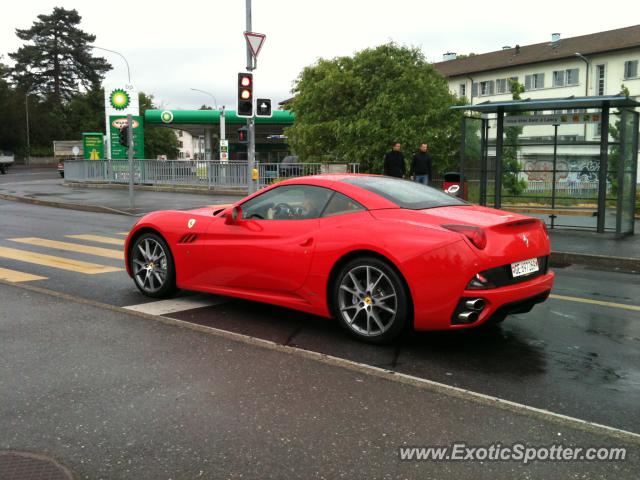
{"x": 234, "y": 215}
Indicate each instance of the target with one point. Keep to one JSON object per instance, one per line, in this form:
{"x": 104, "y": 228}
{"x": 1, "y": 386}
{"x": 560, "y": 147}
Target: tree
{"x": 511, "y": 182}
{"x": 59, "y": 61}
{"x": 352, "y": 108}
{"x": 157, "y": 140}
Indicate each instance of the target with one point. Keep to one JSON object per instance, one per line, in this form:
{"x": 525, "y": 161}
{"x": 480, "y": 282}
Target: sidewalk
{"x": 110, "y": 394}
{"x": 53, "y": 192}
{"x": 568, "y": 247}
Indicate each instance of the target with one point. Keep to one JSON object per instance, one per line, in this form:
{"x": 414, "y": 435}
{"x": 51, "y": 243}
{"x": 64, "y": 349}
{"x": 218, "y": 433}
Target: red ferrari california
{"x": 377, "y": 253}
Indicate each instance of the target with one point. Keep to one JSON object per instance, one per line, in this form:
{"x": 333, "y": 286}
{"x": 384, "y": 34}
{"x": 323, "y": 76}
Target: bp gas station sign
{"x": 119, "y": 152}
{"x": 120, "y": 100}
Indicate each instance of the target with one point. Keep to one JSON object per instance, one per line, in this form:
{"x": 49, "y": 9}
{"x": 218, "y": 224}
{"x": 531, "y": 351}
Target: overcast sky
{"x": 174, "y": 46}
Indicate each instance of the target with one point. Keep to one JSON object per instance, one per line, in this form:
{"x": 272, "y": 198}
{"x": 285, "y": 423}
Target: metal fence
{"x": 206, "y": 173}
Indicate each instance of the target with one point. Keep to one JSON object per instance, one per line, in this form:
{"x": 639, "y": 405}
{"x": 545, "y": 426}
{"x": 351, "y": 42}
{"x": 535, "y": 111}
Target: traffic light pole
{"x": 130, "y": 148}
{"x": 251, "y": 146}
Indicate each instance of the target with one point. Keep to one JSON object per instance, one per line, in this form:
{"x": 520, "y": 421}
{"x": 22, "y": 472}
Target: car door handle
{"x": 307, "y": 242}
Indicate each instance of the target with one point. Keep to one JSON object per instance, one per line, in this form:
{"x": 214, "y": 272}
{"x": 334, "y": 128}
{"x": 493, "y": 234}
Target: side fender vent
{"x": 188, "y": 238}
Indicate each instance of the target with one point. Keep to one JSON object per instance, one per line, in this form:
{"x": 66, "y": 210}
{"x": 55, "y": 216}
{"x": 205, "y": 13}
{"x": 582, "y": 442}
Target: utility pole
{"x": 251, "y": 146}
{"x": 130, "y": 143}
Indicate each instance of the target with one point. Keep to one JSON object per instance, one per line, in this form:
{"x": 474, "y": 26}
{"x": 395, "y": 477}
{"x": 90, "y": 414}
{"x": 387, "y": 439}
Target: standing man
{"x": 421, "y": 165}
{"x": 394, "y": 162}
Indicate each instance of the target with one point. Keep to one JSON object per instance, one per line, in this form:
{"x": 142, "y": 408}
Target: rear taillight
{"x": 475, "y": 234}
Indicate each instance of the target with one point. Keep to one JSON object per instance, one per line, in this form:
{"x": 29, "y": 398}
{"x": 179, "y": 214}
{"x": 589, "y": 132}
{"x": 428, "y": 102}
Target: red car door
{"x": 271, "y": 248}
{"x": 263, "y": 255}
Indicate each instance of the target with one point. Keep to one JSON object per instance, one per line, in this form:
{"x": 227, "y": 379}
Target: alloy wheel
{"x": 367, "y": 300}
{"x": 149, "y": 261}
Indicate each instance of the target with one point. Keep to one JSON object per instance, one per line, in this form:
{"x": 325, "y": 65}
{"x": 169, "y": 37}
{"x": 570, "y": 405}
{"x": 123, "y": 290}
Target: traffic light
{"x": 245, "y": 95}
{"x": 124, "y": 136}
{"x": 263, "y": 107}
{"x": 243, "y": 135}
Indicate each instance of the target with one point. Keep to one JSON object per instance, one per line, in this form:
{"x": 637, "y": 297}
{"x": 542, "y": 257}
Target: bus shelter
{"x": 572, "y": 162}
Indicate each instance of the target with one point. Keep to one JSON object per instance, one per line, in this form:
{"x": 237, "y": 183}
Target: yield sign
{"x": 255, "y": 41}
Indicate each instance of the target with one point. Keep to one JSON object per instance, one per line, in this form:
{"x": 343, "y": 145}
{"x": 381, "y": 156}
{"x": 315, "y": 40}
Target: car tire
{"x": 376, "y": 314}
{"x": 152, "y": 266}
{"x": 61, "y": 174}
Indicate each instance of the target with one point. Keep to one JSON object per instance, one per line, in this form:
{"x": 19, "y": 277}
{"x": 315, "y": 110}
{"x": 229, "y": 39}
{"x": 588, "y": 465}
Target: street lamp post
{"x": 117, "y": 53}
{"x": 586, "y": 81}
{"x": 26, "y": 107}
{"x": 130, "y": 129}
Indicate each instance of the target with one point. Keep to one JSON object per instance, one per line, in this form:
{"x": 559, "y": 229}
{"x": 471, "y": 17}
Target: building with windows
{"x": 595, "y": 64}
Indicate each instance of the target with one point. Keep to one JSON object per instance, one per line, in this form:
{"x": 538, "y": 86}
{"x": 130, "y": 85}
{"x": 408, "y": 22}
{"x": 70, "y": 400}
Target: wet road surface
{"x": 569, "y": 357}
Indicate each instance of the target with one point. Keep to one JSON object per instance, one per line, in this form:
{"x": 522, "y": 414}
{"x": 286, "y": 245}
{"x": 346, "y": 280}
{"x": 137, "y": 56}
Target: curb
{"x": 158, "y": 188}
{"x": 69, "y": 206}
{"x": 591, "y": 260}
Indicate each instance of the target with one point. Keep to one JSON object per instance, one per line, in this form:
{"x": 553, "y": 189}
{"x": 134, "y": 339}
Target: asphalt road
{"x": 569, "y": 357}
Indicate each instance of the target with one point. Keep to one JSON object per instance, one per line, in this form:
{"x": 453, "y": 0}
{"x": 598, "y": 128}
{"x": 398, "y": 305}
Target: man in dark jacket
{"x": 421, "y": 165}
{"x": 394, "y": 162}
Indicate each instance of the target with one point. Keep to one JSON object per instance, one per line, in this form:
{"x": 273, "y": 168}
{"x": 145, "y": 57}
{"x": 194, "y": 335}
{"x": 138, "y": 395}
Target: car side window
{"x": 289, "y": 202}
{"x": 341, "y": 204}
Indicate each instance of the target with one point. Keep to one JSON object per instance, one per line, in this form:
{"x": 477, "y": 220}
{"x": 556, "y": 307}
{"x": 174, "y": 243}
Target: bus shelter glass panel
{"x": 472, "y": 158}
{"x": 490, "y": 162}
{"x": 627, "y": 174}
{"x": 550, "y": 168}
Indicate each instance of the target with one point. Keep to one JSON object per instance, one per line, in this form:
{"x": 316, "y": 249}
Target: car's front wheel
{"x": 152, "y": 266}
{"x": 370, "y": 300}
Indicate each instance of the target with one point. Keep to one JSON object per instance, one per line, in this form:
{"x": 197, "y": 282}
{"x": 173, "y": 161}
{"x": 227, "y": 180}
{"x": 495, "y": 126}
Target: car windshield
{"x": 404, "y": 193}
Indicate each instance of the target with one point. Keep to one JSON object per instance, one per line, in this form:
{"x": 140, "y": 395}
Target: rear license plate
{"x": 525, "y": 267}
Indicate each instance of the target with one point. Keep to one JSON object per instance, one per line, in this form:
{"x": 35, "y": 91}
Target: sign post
{"x": 130, "y": 148}
{"x": 254, "y": 45}
{"x": 224, "y": 151}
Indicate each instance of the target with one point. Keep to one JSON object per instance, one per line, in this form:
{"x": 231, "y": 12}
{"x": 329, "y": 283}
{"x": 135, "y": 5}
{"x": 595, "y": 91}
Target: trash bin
{"x": 454, "y": 184}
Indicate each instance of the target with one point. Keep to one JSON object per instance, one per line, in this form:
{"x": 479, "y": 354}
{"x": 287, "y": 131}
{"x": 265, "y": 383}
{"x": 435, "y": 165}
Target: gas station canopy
{"x": 211, "y": 117}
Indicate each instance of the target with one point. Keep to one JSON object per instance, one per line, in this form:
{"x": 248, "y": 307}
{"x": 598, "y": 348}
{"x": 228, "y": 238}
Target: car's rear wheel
{"x": 370, "y": 300}
{"x": 152, "y": 266}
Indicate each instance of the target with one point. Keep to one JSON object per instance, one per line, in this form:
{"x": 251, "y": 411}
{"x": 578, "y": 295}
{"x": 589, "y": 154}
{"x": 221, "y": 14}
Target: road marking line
{"x": 98, "y": 238}
{"x": 72, "y": 247}
{"x": 623, "y": 306}
{"x": 56, "y": 262}
{"x": 163, "y": 307}
{"x": 122, "y": 233}
{"x": 13, "y": 276}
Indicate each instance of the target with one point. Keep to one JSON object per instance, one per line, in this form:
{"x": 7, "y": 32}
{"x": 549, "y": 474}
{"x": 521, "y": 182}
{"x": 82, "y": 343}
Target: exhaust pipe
{"x": 476, "y": 304}
{"x": 468, "y": 317}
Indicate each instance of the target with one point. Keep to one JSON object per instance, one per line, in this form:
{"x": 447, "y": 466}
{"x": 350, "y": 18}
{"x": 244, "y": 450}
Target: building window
{"x": 630, "y": 69}
{"x": 486, "y": 88}
{"x": 180, "y": 144}
{"x": 534, "y": 81}
{"x": 501, "y": 85}
{"x": 573, "y": 75}
{"x": 462, "y": 90}
{"x": 474, "y": 89}
{"x": 179, "y": 133}
{"x": 558, "y": 78}
{"x": 600, "y": 79}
